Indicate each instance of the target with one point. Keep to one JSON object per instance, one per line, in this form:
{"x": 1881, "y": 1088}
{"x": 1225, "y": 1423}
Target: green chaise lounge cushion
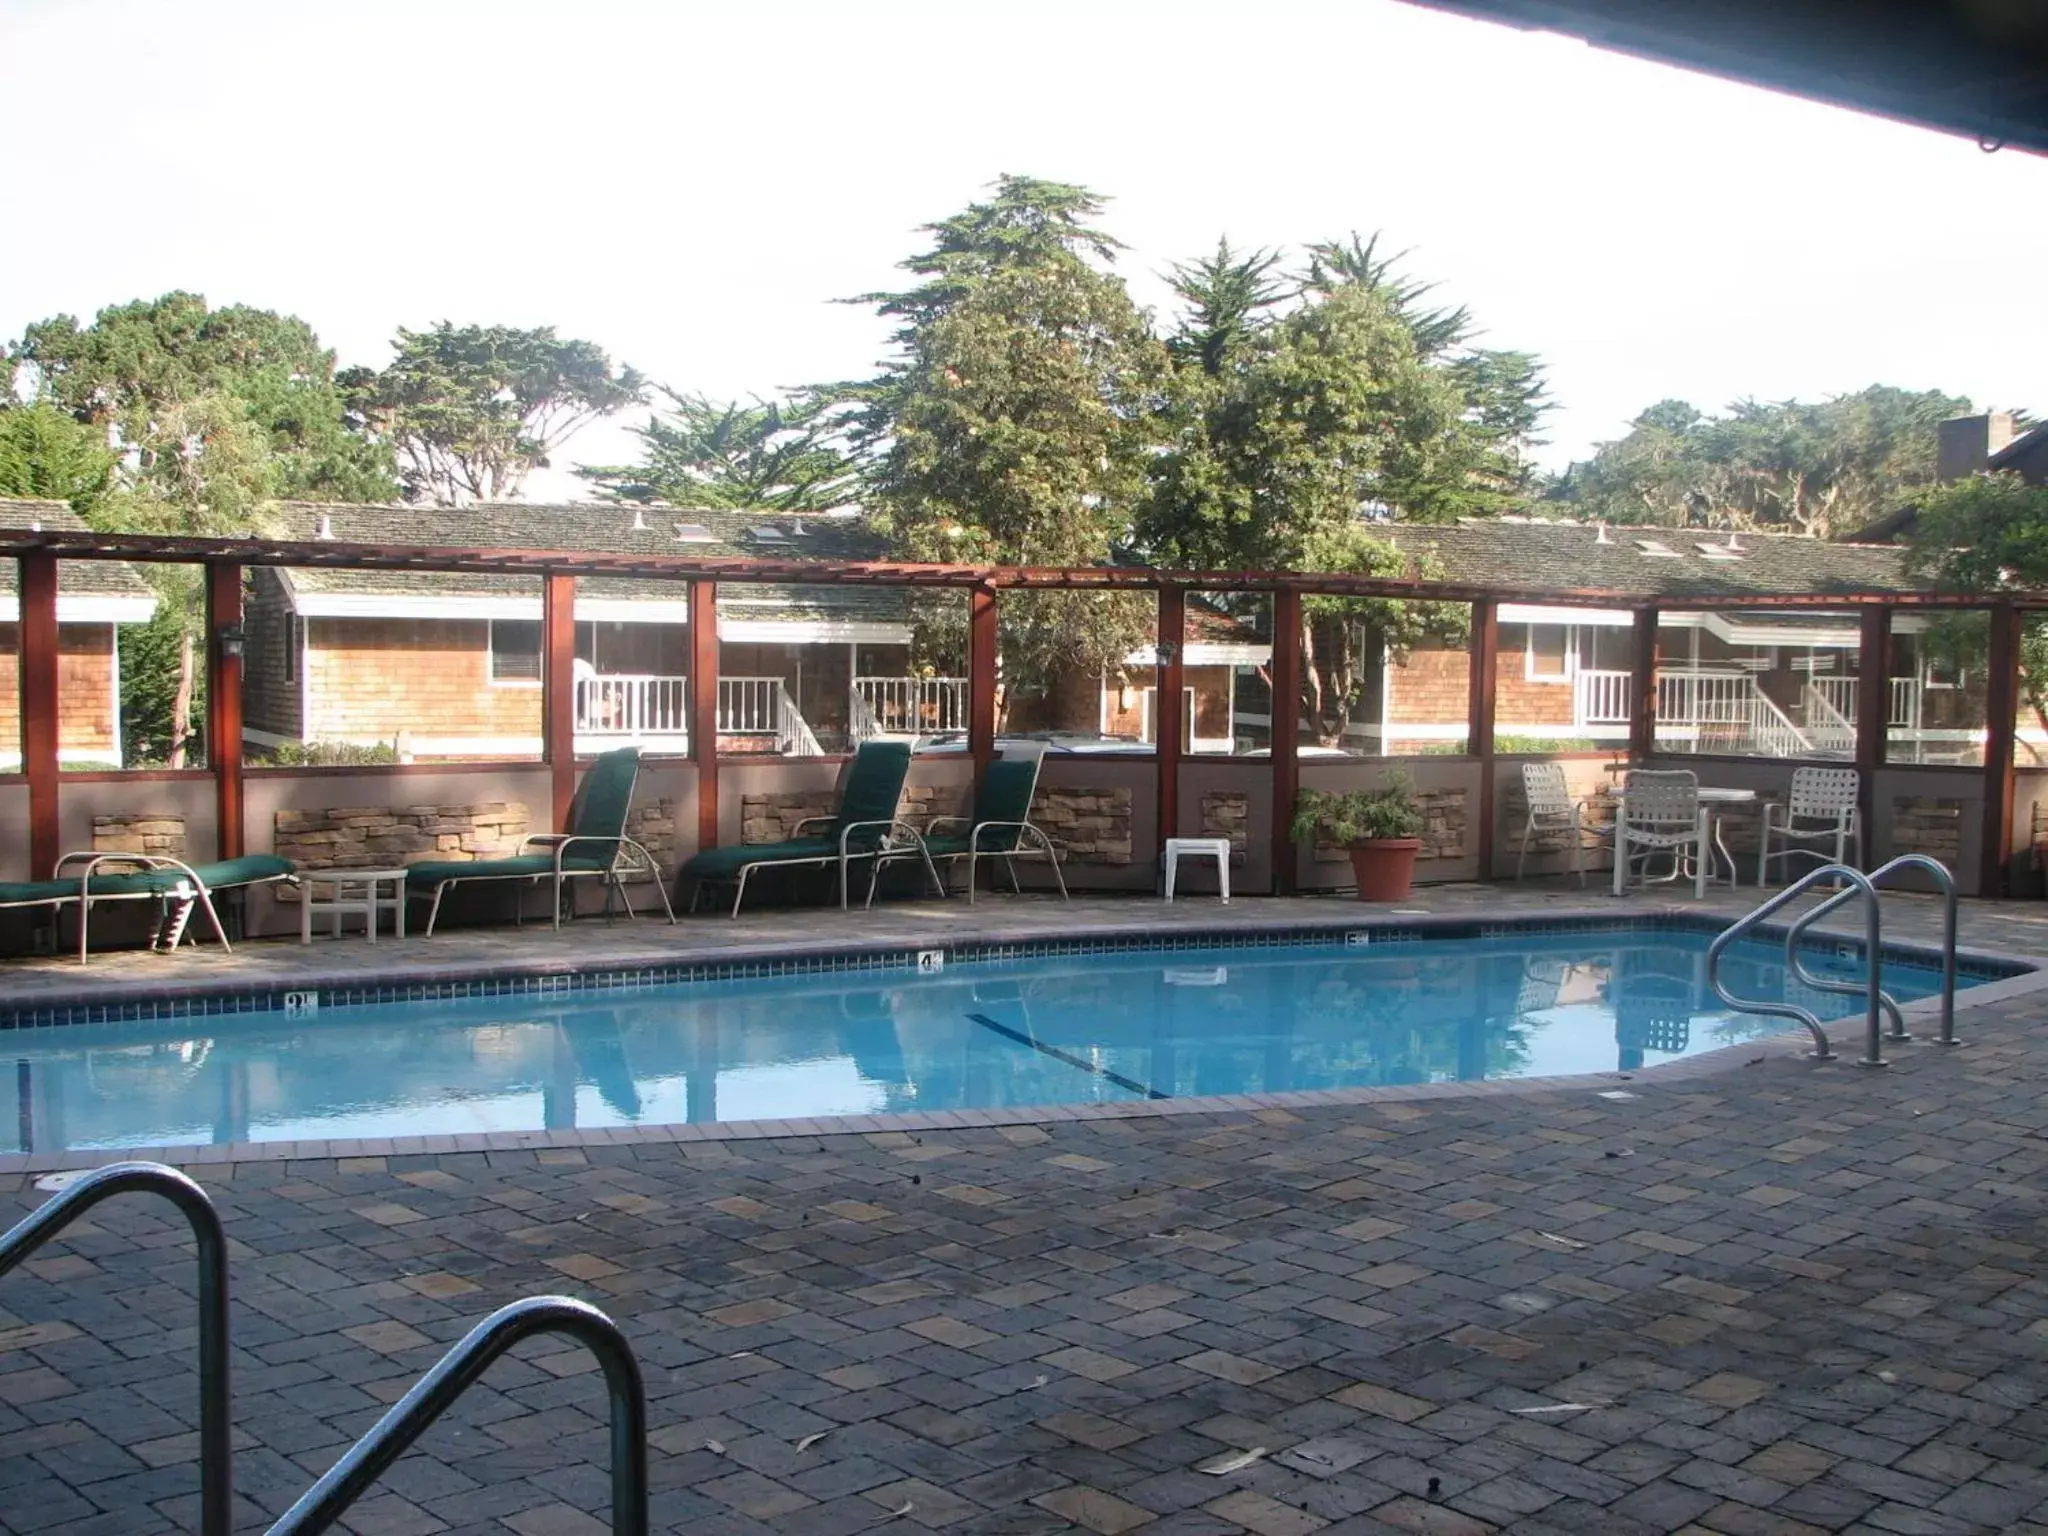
{"x": 726, "y": 863}
{"x": 536, "y": 865}
{"x": 217, "y": 876}
{"x": 874, "y": 786}
{"x": 1004, "y": 795}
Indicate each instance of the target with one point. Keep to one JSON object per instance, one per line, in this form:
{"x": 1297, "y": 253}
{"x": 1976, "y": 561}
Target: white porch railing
{"x": 1906, "y": 702}
{"x": 1600, "y": 698}
{"x": 1725, "y": 711}
{"x": 908, "y": 706}
{"x": 1831, "y": 730}
{"x": 632, "y": 705}
{"x": 761, "y": 706}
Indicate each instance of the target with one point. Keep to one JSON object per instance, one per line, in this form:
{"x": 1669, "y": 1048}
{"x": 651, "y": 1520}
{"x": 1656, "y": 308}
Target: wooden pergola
{"x": 557, "y": 573}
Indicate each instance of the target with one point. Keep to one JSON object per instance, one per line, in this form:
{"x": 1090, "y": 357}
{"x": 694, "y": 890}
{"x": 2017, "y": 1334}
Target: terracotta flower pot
{"x": 1385, "y": 867}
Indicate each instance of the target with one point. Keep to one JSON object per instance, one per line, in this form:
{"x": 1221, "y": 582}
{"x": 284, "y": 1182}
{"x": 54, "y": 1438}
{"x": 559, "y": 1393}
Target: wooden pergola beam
{"x": 331, "y": 554}
{"x": 224, "y": 705}
{"x": 39, "y": 710}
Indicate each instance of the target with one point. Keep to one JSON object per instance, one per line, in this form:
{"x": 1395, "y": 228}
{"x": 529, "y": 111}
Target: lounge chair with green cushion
{"x": 85, "y": 879}
{"x": 999, "y": 826}
{"x": 594, "y": 847}
{"x": 864, "y": 827}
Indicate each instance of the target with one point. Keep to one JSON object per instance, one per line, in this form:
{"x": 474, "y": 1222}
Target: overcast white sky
{"x": 691, "y": 186}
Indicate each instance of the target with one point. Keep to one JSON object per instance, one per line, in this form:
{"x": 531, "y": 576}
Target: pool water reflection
{"x": 1041, "y": 1031}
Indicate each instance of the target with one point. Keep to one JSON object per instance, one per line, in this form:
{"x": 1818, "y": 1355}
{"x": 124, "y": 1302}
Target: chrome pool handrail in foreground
{"x": 1942, "y": 878}
{"x": 1873, "y": 1055}
{"x": 458, "y": 1370}
{"x": 55, "y": 1214}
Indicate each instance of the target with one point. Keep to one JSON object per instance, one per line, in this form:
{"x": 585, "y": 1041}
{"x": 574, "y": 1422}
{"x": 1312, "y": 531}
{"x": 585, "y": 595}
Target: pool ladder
{"x": 366, "y": 1460}
{"x": 1878, "y": 1004}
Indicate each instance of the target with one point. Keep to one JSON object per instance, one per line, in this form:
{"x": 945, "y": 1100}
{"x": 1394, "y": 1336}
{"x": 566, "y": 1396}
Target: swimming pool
{"x": 989, "y": 1034}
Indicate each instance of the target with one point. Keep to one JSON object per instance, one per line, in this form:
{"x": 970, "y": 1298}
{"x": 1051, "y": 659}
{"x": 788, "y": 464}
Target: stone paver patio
{"x": 1779, "y": 1297}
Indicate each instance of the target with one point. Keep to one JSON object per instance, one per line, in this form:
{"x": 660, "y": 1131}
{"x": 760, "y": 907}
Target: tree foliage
{"x": 211, "y": 414}
{"x": 1301, "y": 405}
{"x": 1989, "y": 534}
{"x": 471, "y": 410}
{"x": 1790, "y": 466}
{"x": 1011, "y": 424}
{"x": 46, "y": 455}
{"x": 777, "y": 456}
{"x": 214, "y": 411}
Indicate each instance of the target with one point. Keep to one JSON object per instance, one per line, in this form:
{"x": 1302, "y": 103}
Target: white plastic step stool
{"x": 1217, "y": 848}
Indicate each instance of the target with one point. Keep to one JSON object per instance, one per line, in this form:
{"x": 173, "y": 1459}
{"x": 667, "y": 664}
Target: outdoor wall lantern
{"x": 1166, "y": 651}
{"x": 229, "y": 638}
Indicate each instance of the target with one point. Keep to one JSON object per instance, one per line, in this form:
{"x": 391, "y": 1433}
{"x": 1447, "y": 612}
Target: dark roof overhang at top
{"x": 1976, "y": 67}
{"x": 1666, "y": 583}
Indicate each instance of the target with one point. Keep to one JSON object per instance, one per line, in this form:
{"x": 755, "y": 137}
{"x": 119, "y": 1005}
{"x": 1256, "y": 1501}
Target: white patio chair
{"x": 1552, "y": 809}
{"x": 1661, "y": 813}
{"x": 1821, "y": 810}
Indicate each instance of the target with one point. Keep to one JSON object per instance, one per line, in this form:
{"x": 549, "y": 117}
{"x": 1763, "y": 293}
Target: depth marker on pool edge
{"x": 1073, "y": 1061}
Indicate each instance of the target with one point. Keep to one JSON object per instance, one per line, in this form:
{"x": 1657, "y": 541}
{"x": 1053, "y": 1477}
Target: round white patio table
{"x": 1709, "y": 798}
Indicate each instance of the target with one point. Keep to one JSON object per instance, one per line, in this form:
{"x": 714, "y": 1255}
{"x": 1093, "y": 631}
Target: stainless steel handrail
{"x": 216, "y": 1472}
{"x": 1947, "y": 882}
{"x": 1873, "y": 1055}
{"x": 457, "y": 1371}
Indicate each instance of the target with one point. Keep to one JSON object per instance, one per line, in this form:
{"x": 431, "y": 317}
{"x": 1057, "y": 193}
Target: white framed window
{"x": 1943, "y": 674}
{"x": 1550, "y": 654}
{"x": 515, "y": 651}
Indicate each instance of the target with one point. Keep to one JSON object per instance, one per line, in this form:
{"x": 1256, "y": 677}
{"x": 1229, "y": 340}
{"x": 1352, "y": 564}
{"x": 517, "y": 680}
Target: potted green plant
{"x": 1380, "y": 828}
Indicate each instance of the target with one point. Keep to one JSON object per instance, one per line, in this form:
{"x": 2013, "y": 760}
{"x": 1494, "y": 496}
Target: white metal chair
{"x": 1551, "y": 808}
{"x": 1661, "y": 813}
{"x": 1821, "y": 810}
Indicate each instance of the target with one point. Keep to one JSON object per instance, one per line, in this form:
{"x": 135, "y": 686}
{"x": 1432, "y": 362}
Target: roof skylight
{"x": 1656, "y": 549}
{"x": 767, "y": 533}
{"x": 692, "y": 533}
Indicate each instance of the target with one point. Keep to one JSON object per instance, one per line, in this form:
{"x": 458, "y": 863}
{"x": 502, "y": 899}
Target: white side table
{"x": 1217, "y": 848}
{"x": 351, "y": 892}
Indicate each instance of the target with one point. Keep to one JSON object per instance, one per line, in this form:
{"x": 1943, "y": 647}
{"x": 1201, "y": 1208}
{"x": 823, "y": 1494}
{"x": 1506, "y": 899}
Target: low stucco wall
{"x": 1589, "y": 778}
{"x": 1448, "y": 788}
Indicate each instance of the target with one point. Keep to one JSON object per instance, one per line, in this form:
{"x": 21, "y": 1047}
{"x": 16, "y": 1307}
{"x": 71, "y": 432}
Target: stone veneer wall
{"x": 381, "y": 836}
{"x": 1444, "y": 821}
{"x": 1226, "y": 813}
{"x": 653, "y": 826}
{"x": 157, "y": 832}
{"x": 774, "y": 817}
{"x": 1924, "y": 824}
{"x": 1089, "y": 826}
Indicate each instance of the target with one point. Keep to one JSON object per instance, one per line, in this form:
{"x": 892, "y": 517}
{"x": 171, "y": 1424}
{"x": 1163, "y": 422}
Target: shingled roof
{"x": 95, "y": 578}
{"x": 1651, "y": 562}
{"x": 604, "y": 529}
{"x": 1506, "y": 552}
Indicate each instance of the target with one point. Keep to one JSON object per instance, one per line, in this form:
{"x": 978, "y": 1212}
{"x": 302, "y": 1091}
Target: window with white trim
{"x": 515, "y": 650}
{"x": 1549, "y": 654}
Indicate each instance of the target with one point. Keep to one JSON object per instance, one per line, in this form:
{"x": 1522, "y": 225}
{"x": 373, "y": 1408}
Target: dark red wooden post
{"x": 1286, "y": 714}
{"x": 224, "y": 705}
{"x": 1483, "y": 673}
{"x": 2001, "y": 720}
{"x": 39, "y": 709}
{"x": 704, "y": 705}
{"x": 1169, "y": 708}
{"x": 981, "y": 676}
{"x": 1873, "y": 712}
{"x": 1642, "y": 703}
{"x": 558, "y": 689}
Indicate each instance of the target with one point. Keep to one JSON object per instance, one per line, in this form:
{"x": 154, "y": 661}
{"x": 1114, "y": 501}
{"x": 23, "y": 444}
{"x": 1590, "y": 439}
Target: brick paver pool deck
{"x": 1774, "y": 1297}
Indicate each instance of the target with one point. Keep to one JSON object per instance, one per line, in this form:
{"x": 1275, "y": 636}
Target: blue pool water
{"x": 1038, "y": 1031}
